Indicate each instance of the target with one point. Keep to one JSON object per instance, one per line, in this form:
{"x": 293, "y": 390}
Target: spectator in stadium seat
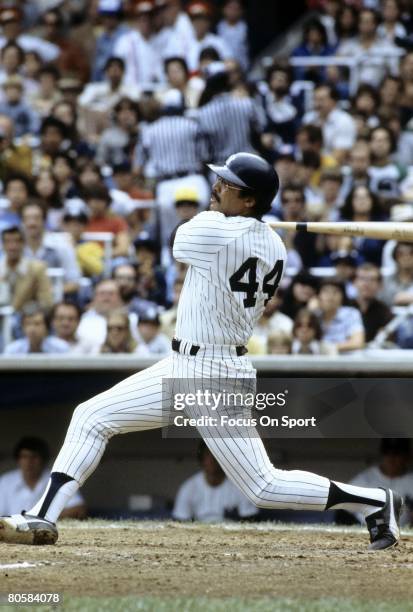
{"x": 11, "y": 23}
{"x": 118, "y": 336}
{"x": 12, "y": 58}
{"x": 26, "y": 121}
{"x": 390, "y": 91}
{"x": 46, "y": 96}
{"x": 279, "y": 343}
{"x": 307, "y": 335}
{"x": 151, "y": 340}
{"x": 64, "y": 171}
{"x": 36, "y": 334}
{"x": 14, "y": 157}
{"x": 403, "y": 155}
{"x": 89, "y": 174}
{"x": 285, "y": 166}
{"x": 101, "y": 219}
{"x": 46, "y": 190}
{"x": 65, "y": 319}
{"x": 406, "y": 73}
{"x": 106, "y": 299}
{"x": 208, "y": 496}
{"x": 346, "y": 23}
{"x": 385, "y": 174}
{"x": 314, "y": 44}
{"x": 43, "y": 247}
{"x": 126, "y": 277}
{"x": 178, "y": 77}
{"x": 17, "y": 191}
{"x": 53, "y": 139}
{"x": 186, "y": 203}
{"x": 375, "y": 313}
{"x": 208, "y": 56}
{"x": 105, "y": 94}
{"x": 142, "y": 63}
{"x": 368, "y": 44}
{"x": 22, "y": 487}
{"x": 330, "y": 187}
{"x": 151, "y": 277}
{"x": 280, "y": 111}
{"x": 32, "y": 65}
{"x": 234, "y": 30}
{"x": 392, "y": 470}
{"x": 366, "y": 104}
{"x": 71, "y": 58}
{"x": 338, "y": 127}
{"x": 22, "y": 280}
{"x": 310, "y": 163}
{"x": 363, "y": 205}
{"x": 293, "y": 209}
{"x": 201, "y": 14}
{"x": 118, "y": 140}
{"x": 110, "y": 14}
{"x": 341, "y": 325}
{"x": 345, "y": 262}
{"x": 398, "y": 288}
{"x": 174, "y": 33}
{"x": 141, "y": 221}
{"x": 89, "y": 254}
{"x": 391, "y": 26}
{"x": 240, "y": 87}
{"x": 310, "y": 138}
{"x": 357, "y": 171}
{"x": 302, "y": 289}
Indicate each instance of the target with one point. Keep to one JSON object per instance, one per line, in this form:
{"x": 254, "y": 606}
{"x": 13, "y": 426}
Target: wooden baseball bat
{"x": 385, "y": 230}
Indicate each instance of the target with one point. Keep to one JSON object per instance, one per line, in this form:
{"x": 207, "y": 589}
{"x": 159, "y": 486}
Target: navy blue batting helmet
{"x": 252, "y": 173}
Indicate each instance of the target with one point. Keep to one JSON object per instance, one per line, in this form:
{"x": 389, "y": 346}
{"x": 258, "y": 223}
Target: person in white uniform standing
{"x": 235, "y": 263}
{"x": 142, "y": 65}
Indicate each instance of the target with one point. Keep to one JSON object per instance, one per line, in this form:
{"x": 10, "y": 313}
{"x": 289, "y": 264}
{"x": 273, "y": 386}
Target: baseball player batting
{"x": 235, "y": 263}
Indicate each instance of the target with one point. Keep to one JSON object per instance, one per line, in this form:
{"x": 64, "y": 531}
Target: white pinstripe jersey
{"x": 235, "y": 265}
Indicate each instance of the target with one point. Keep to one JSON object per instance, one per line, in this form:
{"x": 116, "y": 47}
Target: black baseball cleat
{"x": 384, "y": 524}
{"x": 26, "y": 529}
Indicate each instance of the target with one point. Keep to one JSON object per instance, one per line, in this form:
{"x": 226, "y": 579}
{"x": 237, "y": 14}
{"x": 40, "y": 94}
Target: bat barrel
{"x": 384, "y": 230}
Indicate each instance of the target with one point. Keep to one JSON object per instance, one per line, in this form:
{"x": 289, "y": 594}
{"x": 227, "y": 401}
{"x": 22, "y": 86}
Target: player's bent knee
{"x": 86, "y": 421}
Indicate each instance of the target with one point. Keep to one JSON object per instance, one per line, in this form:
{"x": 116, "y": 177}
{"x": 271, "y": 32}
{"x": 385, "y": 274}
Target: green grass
{"x": 202, "y": 604}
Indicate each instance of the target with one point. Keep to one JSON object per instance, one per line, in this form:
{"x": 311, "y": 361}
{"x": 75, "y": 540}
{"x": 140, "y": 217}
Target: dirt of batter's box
{"x": 168, "y": 560}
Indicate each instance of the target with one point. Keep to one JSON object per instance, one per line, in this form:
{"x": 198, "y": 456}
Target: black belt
{"x": 176, "y": 345}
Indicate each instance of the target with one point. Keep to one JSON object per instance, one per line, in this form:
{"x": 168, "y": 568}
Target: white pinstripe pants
{"x": 136, "y": 404}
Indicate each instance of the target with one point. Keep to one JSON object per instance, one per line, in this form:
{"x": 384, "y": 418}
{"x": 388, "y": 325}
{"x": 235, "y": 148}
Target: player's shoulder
{"x": 270, "y": 234}
{"x": 212, "y": 219}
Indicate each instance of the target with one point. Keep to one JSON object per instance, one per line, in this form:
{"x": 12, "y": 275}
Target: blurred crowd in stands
{"x": 109, "y": 111}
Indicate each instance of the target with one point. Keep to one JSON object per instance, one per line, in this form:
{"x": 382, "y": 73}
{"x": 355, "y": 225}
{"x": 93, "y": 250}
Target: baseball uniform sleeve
{"x": 198, "y": 241}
